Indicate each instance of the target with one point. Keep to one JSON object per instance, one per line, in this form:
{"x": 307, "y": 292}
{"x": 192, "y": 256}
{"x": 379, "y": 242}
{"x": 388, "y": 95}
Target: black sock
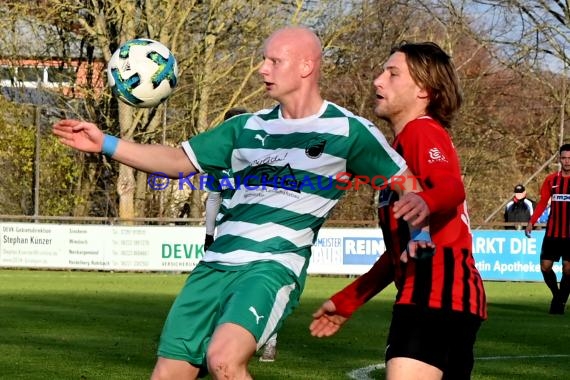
{"x": 551, "y": 282}
{"x": 564, "y": 288}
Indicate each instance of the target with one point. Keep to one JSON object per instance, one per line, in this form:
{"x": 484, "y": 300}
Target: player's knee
{"x": 162, "y": 372}
{"x": 227, "y": 360}
{"x": 545, "y": 266}
{"x": 221, "y": 364}
{"x": 159, "y": 373}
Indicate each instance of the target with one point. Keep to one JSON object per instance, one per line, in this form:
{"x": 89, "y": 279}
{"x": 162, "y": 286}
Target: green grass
{"x": 91, "y": 325}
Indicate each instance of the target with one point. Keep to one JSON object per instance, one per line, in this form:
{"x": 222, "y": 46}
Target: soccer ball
{"x": 142, "y": 73}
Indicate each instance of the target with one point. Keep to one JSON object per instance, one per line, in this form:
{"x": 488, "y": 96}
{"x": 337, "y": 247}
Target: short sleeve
{"x": 371, "y": 155}
{"x": 212, "y": 150}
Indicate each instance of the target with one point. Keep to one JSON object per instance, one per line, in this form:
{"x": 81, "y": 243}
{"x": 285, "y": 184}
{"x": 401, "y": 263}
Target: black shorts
{"x": 442, "y": 339}
{"x": 553, "y": 249}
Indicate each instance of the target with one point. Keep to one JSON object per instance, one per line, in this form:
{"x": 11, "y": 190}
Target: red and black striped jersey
{"x": 449, "y": 280}
{"x": 555, "y": 187}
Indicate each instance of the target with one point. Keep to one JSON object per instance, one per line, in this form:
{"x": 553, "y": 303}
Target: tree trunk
{"x": 126, "y": 191}
{"x": 140, "y": 195}
{"x": 85, "y": 188}
{"x": 126, "y": 180}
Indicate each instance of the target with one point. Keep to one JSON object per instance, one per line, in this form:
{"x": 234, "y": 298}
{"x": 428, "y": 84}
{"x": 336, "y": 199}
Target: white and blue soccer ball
{"x": 142, "y": 73}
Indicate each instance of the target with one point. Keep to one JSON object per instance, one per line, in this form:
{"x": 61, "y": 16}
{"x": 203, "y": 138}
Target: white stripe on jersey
{"x": 290, "y": 260}
{"x": 265, "y": 231}
{"x": 312, "y": 204}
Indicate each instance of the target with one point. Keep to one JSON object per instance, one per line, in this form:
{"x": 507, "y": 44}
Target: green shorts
{"x": 257, "y": 296}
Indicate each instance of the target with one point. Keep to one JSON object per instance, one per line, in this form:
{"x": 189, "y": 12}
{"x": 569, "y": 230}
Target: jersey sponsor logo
{"x": 260, "y": 138}
{"x": 270, "y": 159}
{"x": 435, "y": 155}
{"x": 265, "y": 175}
{"x": 561, "y": 197}
{"x": 315, "y": 148}
{"x": 256, "y": 315}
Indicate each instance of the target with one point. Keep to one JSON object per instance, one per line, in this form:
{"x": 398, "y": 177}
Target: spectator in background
{"x": 519, "y": 209}
{"x": 556, "y": 242}
{"x": 184, "y": 213}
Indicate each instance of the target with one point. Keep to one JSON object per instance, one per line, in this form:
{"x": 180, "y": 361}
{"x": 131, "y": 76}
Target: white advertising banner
{"x": 97, "y": 247}
{"x": 499, "y": 255}
{"x": 346, "y": 250}
{"x": 160, "y": 248}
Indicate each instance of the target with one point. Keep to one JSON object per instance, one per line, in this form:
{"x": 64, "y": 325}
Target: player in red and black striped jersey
{"x": 441, "y": 300}
{"x": 556, "y": 243}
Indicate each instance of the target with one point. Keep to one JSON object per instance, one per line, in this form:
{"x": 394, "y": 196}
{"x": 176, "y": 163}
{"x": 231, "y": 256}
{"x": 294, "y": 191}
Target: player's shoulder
{"x": 333, "y": 110}
{"x": 426, "y": 132}
{"x": 549, "y": 178}
{"x": 427, "y": 124}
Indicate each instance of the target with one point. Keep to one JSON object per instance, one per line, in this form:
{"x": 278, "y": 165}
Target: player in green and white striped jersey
{"x": 287, "y": 164}
{"x": 286, "y": 179}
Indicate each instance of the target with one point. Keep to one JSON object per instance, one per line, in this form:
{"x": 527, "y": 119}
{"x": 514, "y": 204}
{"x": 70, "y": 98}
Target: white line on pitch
{"x": 364, "y": 372}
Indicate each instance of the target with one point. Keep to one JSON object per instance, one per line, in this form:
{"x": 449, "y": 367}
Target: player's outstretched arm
{"x": 87, "y": 137}
{"x": 326, "y": 321}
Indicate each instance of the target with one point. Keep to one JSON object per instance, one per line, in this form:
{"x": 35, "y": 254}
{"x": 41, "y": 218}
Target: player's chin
{"x": 379, "y": 110}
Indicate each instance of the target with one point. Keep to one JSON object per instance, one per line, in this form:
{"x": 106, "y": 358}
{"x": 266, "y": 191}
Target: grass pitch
{"x": 95, "y": 325}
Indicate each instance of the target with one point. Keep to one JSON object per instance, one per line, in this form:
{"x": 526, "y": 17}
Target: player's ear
{"x": 307, "y": 67}
{"x": 423, "y": 94}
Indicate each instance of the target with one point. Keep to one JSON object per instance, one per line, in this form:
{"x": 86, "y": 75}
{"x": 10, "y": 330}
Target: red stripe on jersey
{"x": 458, "y": 291}
{"x": 438, "y": 287}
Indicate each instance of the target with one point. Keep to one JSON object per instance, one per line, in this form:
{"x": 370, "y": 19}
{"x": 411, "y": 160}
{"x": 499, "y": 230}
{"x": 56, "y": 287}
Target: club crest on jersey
{"x": 435, "y": 155}
{"x": 315, "y": 147}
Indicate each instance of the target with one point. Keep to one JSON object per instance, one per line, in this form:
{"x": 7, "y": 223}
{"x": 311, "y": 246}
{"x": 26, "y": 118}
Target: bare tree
{"x": 215, "y": 43}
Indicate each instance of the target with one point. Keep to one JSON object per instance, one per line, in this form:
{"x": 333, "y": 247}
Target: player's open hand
{"x": 325, "y": 320}
{"x": 412, "y": 208}
{"x": 80, "y": 135}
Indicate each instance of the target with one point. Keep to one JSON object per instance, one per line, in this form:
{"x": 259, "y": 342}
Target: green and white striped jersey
{"x": 286, "y": 174}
